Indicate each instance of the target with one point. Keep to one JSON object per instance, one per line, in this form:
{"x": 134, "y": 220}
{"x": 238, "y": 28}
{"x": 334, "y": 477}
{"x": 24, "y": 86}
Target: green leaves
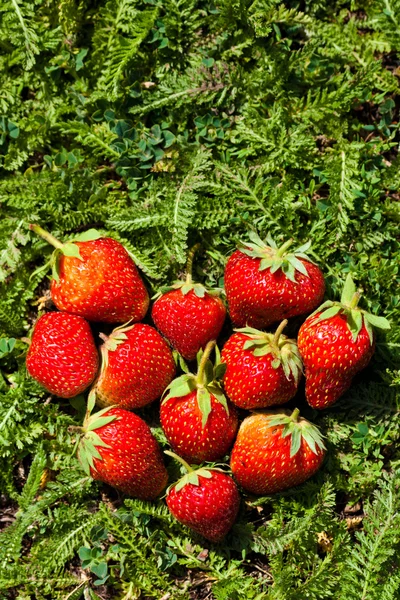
{"x": 349, "y": 290}
{"x": 275, "y": 258}
{"x": 298, "y": 429}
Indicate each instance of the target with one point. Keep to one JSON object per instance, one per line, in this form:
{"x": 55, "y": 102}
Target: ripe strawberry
{"x": 195, "y": 416}
{"x": 265, "y": 284}
{"x": 95, "y": 278}
{"x": 206, "y": 500}
{"x": 118, "y": 448}
{"x": 276, "y": 450}
{"x": 62, "y": 356}
{"x": 137, "y": 366}
{"x": 188, "y": 315}
{"x": 262, "y": 369}
{"x": 336, "y": 342}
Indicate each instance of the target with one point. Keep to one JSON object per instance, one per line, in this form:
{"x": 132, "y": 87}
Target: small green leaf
{"x": 349, "y": 290}
{"x": 91, "y": 400}
{"x": 100, "y": 422}
{"x": 70, "y": 249}
{"x": 88, "y": 236}
{"x": 295, "y": 442}
{"x": 370, "y": 331}
{"x": 216, "y": 391}
{"x": 329, "y": 313}
{"x": 181, "y": 387}
{"x": 199, "y": 290}
{"x": 354, "y": 322}
{"x": 185, "y": 289}
{"x": 79, "y": 58}
{"x": 297, "y": 264}
{"x": 378, "y": 322}
{"x": 204, "y": 402}
{"x": 220, "y": 370}
{"x": 276, "y": 363}
{"x": 265, "y": 263}
{"x": 208, "y": 372}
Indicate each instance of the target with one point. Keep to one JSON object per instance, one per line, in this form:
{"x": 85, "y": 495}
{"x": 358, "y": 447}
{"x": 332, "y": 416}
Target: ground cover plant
{"x": 163, "y": 124}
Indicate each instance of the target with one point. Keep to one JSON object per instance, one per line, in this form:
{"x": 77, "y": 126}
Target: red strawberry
{"x": 95, "y": 278}
{"x": 275, "y": 451}
{"x": 262, "y": 369}
{"x": 188, "y": 315}
{"x": 62, "y": 356}
{"x": 118, "y": 448}
{"x": 137, "y": 366}
{"x": 195, "y": 416}
{"x": 206, "y": 500}
{"x": 265, "y": 284}
{"x": 335, "y": 343}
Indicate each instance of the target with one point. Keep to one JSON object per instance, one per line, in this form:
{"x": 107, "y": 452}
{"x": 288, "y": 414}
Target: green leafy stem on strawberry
{"x": 67, "y": 249}
{"x": 298, "y": 428}
{"x": 283, "y": 349}
{"x": 191, "y": 475}
{"x": 275, "y": 258}
{"x": 187, "y": 284}
{"x": 88, "y": 440}
{"x": 206, "y": 382}
{"x": 348, "y": 306}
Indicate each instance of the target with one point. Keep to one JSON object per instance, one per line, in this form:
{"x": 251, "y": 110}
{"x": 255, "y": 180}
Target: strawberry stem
{"x": 279, "y": 331}
{"x": 189, "y": 263}
{"x": 206, "y": 355}
{"x": 295, "y": 414}
{"x": 46, "y": 236}
{"x": 280, "y": 252}
{"x": 355, "y": 300}
{"x": 179, "y": 459}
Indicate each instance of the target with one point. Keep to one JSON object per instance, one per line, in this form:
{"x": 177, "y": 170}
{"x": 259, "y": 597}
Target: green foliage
{"x": 164, "y": 123}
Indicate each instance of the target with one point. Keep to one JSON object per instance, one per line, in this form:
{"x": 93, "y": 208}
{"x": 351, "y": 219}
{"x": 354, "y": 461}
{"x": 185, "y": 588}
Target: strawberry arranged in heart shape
{"x": 336, "y": 342}
{"x": 265, "y": 284}
{"x": 137, "y": 366}
{"x": 62, "y": 356}
{"x": 118, "y": 448}
{"x": 206, "y": 500}
{"x": 188, "y": 315}
{"x": 262, "y": 369}
{"x": 95, "y": 278}
{"x": 275, "y": 451}
{"x": 197, "y": 420}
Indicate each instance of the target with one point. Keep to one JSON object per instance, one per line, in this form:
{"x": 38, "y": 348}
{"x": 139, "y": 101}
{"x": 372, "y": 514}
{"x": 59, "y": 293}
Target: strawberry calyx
{"x": 275, "y": 258}
{"x": 283, "y": 349}
{"x": 297, "y": 428}
{"x": 206, "y": 382}
{"x": 186, "y": 285}
{"x": 66, "y": 249}
{"x": 112, "y": 341}
{"x": 192, "y": 476}
{"x": 355, "y": 317}
{"x": 89, "y": 440}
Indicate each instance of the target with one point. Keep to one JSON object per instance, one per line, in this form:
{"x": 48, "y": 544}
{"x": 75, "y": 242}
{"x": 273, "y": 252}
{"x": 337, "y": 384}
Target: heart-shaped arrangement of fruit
{"x": 95, "y": 279}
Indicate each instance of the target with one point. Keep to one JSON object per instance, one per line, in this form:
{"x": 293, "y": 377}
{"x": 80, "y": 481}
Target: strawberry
{"x": 274, "y": 451}
{"x": 195, "y": 415}
{"x": 137, "y": 366}
{"x": 262, "y": 369}
{"x": 95, "y": 278}
{"x": 118, "y": 448}
{"x": 188, "y": 315}
{"x": 335, "y": 343}
{"x": 62, "y": 356}
{"x": 265, "y": 284}
{"x": 206, "y": 500}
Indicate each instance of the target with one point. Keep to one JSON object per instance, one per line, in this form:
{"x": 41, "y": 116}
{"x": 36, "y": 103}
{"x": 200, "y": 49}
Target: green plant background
{"x": 169, "y": 122}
